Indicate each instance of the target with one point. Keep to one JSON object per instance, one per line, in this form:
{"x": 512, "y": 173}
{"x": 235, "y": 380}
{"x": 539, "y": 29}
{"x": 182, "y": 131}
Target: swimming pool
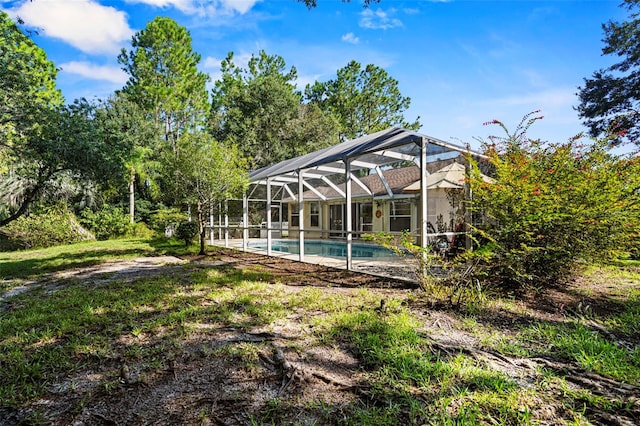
{"x": 326, "y": 248}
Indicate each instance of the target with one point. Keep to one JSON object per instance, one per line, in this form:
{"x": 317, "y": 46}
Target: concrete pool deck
{"x": 396, "y": 267}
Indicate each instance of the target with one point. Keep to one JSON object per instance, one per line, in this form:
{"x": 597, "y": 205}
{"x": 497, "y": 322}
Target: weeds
{"x": 405, "y": 377}
{"x": 454, "y": 281}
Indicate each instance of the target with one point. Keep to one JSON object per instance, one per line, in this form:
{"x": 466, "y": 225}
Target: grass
{"x": 33, "y": 263}
{"x": 49, "y": 337}
{"x": 403, "y": 367}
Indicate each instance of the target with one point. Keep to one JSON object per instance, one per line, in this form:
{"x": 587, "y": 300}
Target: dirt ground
{"x": 292, "y": 369}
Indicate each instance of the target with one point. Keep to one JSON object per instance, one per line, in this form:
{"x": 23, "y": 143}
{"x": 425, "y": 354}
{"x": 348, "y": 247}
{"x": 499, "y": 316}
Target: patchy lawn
{"x": 115, "y": 333}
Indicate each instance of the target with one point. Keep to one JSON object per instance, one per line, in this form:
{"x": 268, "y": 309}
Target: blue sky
{"x": 462, "y": 63}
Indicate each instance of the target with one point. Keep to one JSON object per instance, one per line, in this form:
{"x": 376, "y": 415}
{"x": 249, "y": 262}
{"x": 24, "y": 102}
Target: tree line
{"x": 163, "y": 140}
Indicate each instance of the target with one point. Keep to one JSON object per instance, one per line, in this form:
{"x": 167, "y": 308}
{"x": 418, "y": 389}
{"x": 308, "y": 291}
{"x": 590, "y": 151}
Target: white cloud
{"x": 303, "y": 80}
{"x": 240, "y": 6}
{"x": 95, "y": 72}
{"x": 350, "y": 38}
{"x": 203, "y": 7}
{"x": 84, "y": 24}
{"x": 379, "y": 19}
{"x": 211, "y": 63}
{"x": 411, "y": 11}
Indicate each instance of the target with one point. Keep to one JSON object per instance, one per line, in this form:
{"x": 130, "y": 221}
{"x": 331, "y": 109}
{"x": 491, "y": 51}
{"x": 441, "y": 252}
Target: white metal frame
{"x": 369, "y": 152}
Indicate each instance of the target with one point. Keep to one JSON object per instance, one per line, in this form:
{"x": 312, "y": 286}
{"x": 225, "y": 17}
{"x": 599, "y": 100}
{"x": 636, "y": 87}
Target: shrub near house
{"x": 553, "y": 207}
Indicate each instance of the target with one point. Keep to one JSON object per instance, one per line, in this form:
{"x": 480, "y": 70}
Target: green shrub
{"x": 163, "y": 218}
{"x": 139, "y": 230}
{"x": 108, "y": 222}
{"x": 553, "y": 206}
{"x": 187, "y": 231}
{"x": 49, "y": 227}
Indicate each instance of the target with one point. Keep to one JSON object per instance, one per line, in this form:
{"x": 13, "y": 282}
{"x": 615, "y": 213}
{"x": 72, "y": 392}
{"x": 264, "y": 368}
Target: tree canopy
{"x": 208, "y": 173}
{"x": 260, "y": 110}
{"x": 610, "y": 99}
{"x": 364, "y": 99}
{"x": 27, "y": 88}
{"x": 164, "y": 79}
{"x": 42, "y": 140}
{"x": 164, "y": 82}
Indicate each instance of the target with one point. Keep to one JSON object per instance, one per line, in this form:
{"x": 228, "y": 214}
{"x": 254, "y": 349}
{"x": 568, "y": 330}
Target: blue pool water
{"x": 326, "y": 248}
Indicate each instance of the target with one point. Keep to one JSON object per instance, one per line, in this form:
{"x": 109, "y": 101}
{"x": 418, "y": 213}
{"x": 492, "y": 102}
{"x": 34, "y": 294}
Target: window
{"x": 314, "y": 215}
{"x": 295, "y": 215}
{"x": 400, "y": 216}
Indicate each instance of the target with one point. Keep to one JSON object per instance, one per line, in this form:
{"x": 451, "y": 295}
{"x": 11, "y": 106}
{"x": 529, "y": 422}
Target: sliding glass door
{"x": 361, "y": 221}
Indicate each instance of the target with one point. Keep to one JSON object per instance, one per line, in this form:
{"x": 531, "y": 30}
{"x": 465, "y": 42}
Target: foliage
{"x": 164, "y": 79}
{"x": 259, "y": 110}
{"x": 187, "y": 231}
{"x": 139, "y": 230}
{"x": 41, "y": 139}
{"x": 108, "y": 222}
{"x": 27, "y": 80}
{"x": 610, "y": 99}
{"x": 162, "y": 218}
{"x": 208, "y": 173}
{"x": 365, "y": 100}
{"x": 552, "y": 206}
{"x": 123, "y": 123}
{"x": 453, "y": 280}
{"x": 51, "y": 226}
{"x": 168, "y": 87}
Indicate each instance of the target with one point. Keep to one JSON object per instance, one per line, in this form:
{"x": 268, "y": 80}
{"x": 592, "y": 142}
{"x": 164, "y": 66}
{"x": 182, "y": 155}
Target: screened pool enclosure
{"x": 392, "y": 181}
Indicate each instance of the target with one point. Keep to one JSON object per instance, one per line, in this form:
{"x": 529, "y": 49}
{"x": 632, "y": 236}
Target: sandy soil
{"x": 294, "y": 379}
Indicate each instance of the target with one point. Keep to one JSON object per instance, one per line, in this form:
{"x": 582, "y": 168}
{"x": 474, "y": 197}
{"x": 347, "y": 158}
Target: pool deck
{"x": 394, "y": 267}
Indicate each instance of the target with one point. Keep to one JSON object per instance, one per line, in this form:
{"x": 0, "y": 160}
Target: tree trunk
{"x": 132, "y": 199}
{"x": 201, "y": 227}
{"x": 26, "y": 202}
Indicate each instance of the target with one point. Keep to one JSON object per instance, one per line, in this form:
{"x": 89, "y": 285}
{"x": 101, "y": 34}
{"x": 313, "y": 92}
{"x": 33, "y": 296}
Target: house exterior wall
{"x": 438, "y": 205}
{"x": 311, "y": 232}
